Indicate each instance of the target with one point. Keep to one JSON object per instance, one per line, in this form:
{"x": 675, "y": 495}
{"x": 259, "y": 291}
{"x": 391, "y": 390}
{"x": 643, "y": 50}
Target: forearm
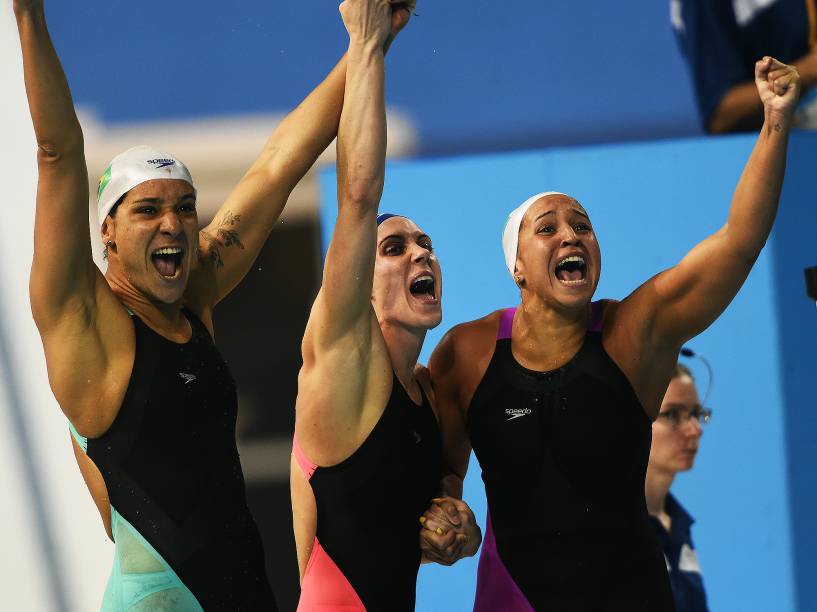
{"x": 740, "y": 109}
{"x": 52, "y": 110}
{"x": 757, "y": 195}
{"x": 306, "y": 132}
{"x": 362, "y": 131}
{"x": 451, "y": 486}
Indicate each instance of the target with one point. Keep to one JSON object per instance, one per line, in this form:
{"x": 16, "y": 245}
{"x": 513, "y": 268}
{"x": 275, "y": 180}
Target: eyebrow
{"x": 154, "y": 200}
{"x": 393, "y": 236}
{"x": 403, "y": 238}
{"x": 553, "y": 212}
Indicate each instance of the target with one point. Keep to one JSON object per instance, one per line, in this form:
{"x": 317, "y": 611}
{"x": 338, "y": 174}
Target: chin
{"x": 425, "y": 321}
{"x": 686, "y": 464}
{"x": 164, "y": 295}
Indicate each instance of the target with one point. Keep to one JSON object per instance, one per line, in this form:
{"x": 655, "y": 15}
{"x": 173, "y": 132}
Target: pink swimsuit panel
{"x": 324, "y": 587}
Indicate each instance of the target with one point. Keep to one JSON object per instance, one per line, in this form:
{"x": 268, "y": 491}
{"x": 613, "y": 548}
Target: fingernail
{"x": 440, "y": 531}
{"x": 422, "y": 520}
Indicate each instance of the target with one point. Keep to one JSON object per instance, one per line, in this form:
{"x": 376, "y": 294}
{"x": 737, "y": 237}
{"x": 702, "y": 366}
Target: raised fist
{"x": 367, "y": 21}
{"x": 779, "y": 87}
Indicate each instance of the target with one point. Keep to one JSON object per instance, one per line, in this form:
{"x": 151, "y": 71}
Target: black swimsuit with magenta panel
{"x": 564, "y": 455}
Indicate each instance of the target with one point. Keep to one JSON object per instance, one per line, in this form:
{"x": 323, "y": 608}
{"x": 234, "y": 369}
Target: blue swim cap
{"x": 386, "y": 216}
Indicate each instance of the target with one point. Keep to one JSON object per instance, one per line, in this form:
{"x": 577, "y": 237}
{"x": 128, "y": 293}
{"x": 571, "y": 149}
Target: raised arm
{"x": 681, "y": 302}
{"x": 233, "y": 240}
{"x": 85, "y": 331}
{"x": 343, "y": 306}
{"x": 63, "y": 271}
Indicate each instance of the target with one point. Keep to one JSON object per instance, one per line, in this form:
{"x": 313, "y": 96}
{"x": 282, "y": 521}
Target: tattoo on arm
{"x": 776, "y": 127}
{"x": 224, "y": 237}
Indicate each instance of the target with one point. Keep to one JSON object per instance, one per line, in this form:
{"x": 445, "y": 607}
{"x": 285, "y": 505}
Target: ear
{"x": 518, "y": 276}
{"x": 108, "y": 231}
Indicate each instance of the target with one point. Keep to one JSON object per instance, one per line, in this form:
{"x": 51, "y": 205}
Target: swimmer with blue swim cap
{"x": 367, "y": 441}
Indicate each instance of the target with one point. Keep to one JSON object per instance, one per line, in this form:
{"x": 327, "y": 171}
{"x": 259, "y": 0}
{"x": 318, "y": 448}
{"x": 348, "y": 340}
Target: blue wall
{"x": 752, "y": 490}
{"x": 492, "y": 75}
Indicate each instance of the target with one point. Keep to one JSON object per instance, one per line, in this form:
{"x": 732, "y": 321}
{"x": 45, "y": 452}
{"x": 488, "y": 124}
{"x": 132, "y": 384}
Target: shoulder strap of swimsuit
{"x": 196, "y": 324}
{"x": 505, "y": 323}
{"x": 307, "y": 467}
{"x": 81, "y": 440}
{"x": 596, "y": 316}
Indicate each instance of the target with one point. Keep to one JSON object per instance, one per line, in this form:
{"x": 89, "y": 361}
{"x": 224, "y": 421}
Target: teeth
{"x": 572, "y": 258}
{"x": 427, "y": 277}
{"x": 168, "y": 251}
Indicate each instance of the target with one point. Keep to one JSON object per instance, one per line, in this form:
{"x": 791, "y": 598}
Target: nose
{"x": 569, "y": 236}
{"x": 170, "y": 223}
{"x": 692, "y": 428}
{"x": 420, "y": 255}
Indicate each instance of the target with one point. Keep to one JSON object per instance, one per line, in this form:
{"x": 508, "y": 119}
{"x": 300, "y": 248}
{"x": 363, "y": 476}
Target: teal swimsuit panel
{"x": 141, "y": 580}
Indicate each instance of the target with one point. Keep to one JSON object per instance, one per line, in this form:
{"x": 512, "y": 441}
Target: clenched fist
{"x": 367, "y": 21}
{"x": 779, "y": 87}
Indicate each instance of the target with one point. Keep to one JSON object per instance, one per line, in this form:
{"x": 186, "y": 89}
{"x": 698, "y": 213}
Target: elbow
{"x": 51, "y": 152}
{"x": 362, "y": 194}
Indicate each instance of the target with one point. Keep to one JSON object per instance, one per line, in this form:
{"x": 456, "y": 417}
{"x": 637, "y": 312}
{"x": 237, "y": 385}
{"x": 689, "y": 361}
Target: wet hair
{"x": 112, "y": 212}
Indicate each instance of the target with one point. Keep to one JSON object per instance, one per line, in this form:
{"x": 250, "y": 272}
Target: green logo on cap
{"x": 103, "y": 182}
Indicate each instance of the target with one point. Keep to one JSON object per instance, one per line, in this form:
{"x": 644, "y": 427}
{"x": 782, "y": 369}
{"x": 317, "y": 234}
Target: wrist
{"x": 366, "y": 47}
{"x": 777, "y": 121}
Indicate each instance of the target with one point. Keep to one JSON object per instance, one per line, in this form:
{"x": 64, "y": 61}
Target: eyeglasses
{"x": 678, "y": 414}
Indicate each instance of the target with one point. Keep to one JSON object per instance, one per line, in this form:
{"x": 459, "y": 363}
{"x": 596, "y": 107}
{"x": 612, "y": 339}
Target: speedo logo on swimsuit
{"x": 187, "y": 378}
{"x": 161, "y": 163}
{"x": 515, "y": 413}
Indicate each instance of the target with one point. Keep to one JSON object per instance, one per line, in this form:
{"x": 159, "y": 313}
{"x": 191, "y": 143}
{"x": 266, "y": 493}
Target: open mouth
{"x": 167, "y": 261}
{"x": 572, "y": 270}
{"x": 423, "y": 287}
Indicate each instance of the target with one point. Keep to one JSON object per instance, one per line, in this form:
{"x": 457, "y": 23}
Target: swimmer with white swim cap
{"x": 130, "y": 354}
{"x": 556, "y": 396}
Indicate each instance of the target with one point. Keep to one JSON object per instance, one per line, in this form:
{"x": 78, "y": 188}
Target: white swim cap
{"x": 510, "y": 235}
{"x": 132, "y": 168}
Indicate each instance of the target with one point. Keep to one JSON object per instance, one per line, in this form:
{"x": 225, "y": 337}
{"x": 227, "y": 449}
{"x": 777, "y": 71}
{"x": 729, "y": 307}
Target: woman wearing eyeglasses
{"x": 676, "y": 434}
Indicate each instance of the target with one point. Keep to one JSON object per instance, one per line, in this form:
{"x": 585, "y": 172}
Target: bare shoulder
{"x": 460, "y": 359}
{"x": 626, "y": 339}
{"x": 466, "y": 338}
{"x": 89, "y": 356}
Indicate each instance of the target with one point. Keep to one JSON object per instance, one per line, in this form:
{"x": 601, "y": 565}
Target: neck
{"x": 404, "y": 345}
{"x": 657, "y": 484}
{"x": 546, "y": 334}
{"x": 158, "y": 315}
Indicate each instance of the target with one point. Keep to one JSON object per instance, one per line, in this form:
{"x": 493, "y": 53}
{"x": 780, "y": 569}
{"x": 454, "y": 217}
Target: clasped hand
{"x": 449, "y": 531}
